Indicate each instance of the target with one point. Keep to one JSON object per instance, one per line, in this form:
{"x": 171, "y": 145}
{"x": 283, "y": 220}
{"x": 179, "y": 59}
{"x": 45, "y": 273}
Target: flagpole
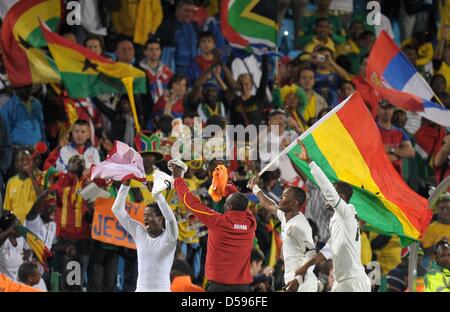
{"x": 128, "y": 82}
{"x": 412, "y": 266}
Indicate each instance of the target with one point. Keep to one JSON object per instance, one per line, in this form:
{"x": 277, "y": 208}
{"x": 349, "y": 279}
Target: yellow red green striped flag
{"x": 346, "y": 144}
{"x": 85, "y": 73}
{"x": 22, "y": 39}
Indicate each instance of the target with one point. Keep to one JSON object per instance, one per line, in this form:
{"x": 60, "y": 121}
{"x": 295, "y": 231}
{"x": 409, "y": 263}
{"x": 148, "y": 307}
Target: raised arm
{"x": 129, "y": 224}
{"x": 35, "y": 209}
{"x": 327, "y": 188}
{"x": 205, "y": 214}
{"x": 108, "y": 112}
{"x": 263, "y": 198}
{"x": 442, "y": 155}
{"x": 171, "y": 221}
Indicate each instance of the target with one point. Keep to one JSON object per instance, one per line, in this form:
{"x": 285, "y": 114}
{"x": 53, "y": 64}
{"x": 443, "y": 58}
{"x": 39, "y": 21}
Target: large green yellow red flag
{"x": 22, "y": 39}
{"x": 85, "y": 73}
{"x": 347, "y": 145}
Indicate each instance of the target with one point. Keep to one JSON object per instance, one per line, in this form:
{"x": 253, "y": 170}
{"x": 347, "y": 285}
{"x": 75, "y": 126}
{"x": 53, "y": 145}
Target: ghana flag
{"x": 346, "y": 144}
{"x": 36, "y": 244}
{"x": 22, "y": 39}
{"x": 85, "y": 74}
{"x": 249, "y": 24}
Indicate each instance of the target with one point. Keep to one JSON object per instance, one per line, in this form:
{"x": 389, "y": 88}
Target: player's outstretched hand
{"x": 252, "y": 182}
{"x": 303, "y": 155}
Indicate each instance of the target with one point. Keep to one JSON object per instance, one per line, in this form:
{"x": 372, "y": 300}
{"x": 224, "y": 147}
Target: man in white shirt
{"x": 155, "y": 243}
{"x": 344, "y": 245}
{"x": 41, "y": 219}
{"x": 298, "y": 244}
{"x": 11, "y": 246}
{"x": 279, "y": 140}
{"x": 79, "y": 145}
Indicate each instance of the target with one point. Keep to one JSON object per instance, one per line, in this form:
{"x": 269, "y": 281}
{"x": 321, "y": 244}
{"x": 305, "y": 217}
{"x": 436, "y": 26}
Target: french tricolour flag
{"x": 391, "y": 73}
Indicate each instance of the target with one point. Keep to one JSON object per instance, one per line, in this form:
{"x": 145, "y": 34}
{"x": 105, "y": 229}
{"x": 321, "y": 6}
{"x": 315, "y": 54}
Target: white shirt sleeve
{"x": 328, "y": 190}
{"x": 171, "y": 221}
{"x": 280, "y": 215}
{"x": 131, "y": 225}
{"x": 96, "y": 156}
{"x": 326, "y": 251}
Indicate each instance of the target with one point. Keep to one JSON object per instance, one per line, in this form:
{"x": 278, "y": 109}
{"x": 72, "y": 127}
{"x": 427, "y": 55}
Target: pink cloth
{"x": 121, "y": 164}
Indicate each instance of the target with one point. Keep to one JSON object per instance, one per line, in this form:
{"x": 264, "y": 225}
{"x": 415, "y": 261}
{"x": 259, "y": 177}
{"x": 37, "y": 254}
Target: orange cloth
{"x": 8, "y": 285}
{"x": 184, "y": 284}
{"x": 219, "y": 183}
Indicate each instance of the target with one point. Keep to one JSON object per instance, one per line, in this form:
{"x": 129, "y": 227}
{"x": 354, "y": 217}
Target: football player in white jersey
{"x": 344, "y": 245}
{"x": 298, "y": 244}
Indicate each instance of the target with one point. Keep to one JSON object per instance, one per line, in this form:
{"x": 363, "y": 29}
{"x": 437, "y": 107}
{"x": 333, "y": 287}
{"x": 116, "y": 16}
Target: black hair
{"x": 396, "y": 117}
{"x": 190, "y": 114}
{"x": 324, "y": 49}
{"x": 177, "y": 78}
{"x": 153, "y": 40}
{"x": 165, "y": 124}
{"x": 7, "y": 220}
{"x": 65, "y": 30}
{"x": 306, "y": 67}
{"x": 81, "y": 122}
{"x": 122, "y": 39}
{"x": 321, "y": 19}
{"x": 26, "y": 270}
{"x": 238, "y": 201}
{"x": 256, "y": 255}
{"x": 299, "y": 194}
{"x": 155, "y": 207}
{"x": 185, "y": 2}
{"x": 206, "y": 34}
{"x": 344, "y": 188}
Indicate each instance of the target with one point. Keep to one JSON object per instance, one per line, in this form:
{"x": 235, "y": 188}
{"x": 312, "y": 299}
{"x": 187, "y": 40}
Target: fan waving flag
{"x": 85, "y": 74}
{"x": 346, "y": 144}
{"x": 36, "y": 244}
{"x": 22, "y": 39}
{"x": 391, "y": 73}
{"x": 249, "y": 24}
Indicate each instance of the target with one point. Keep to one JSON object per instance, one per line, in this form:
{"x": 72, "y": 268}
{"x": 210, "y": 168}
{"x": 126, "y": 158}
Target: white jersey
{"x": 155, "y": 255}
{"x": 11, "y": 257}
{"x": 298, "y": 247}
{"x": 45, "y": 231}
{"x": 345, "y": 239}
{"x": 90, "y": 156}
